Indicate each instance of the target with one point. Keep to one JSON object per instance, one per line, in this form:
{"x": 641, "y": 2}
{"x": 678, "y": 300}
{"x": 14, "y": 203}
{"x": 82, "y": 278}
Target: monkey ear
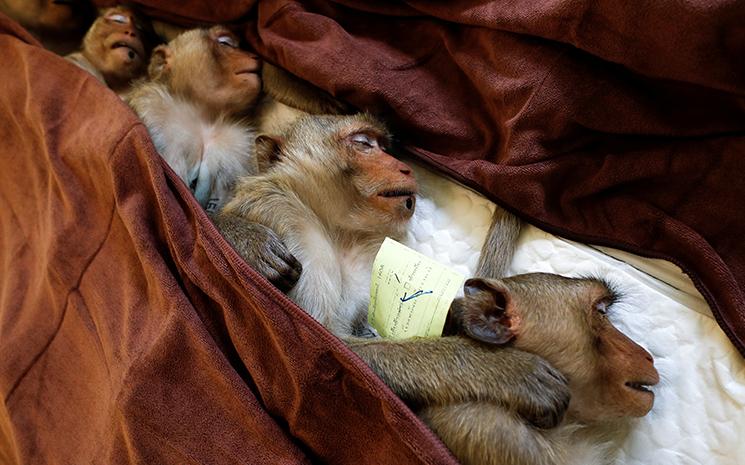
{"x": 159, "y": 61}
{"x": 487, "y": 315}
{"x": 268, "y": 150}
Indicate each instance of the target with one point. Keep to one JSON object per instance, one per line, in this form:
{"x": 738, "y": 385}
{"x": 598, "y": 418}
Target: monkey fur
{"x": 195, "y": 104}
{"x": 561, "y": 320}
{"x": 496, "y": 396}
{"x": 310, "y": 195}
{"x": 116, "y": 48}
{"x": 333, "y": 195}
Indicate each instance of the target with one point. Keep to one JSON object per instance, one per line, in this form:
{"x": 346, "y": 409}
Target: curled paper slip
{"x": 410, "y": 294}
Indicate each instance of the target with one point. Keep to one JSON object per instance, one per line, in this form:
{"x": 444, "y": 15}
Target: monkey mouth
{"x": 400, "y": 194}
{"x": 131, "y": 52}
{"x": 640, "y": 386}
{"x": 248, "y": 70}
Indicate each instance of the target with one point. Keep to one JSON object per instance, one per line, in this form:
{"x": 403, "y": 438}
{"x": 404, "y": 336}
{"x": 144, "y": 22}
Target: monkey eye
{"x": 364, "y": 141}
{"x": 227, "y": 40}
{"x": 117, "y": 18}
{"x": 602, "y": 306}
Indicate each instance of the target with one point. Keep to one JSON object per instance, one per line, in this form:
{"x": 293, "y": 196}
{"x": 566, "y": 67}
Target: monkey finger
{"x": 548, "y": 398}
{"x": 284, "y": 261}
{"x": 280, "y": 273}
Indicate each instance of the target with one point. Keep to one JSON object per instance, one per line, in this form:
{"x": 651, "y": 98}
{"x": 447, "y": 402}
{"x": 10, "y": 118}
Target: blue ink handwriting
{"x": 414, "y": 295}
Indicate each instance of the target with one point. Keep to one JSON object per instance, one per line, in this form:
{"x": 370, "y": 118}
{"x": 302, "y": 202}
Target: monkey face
{"x": 565, "y": 321}
{"x": 386, "y": 185}
{"x": 626, "y": 370}
{"x": 238, "y": 81}
{"x": 208, "y": 68}
{"x": 115, "y": 46}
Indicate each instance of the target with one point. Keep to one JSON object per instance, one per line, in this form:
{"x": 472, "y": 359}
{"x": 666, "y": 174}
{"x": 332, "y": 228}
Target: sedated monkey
{"x": 196, "y": 103}
{"x": 116, "y": 48}
{"x": 333, "y": 194}
{"x": 562, "y": 320}
{"x": 59, "y": 25}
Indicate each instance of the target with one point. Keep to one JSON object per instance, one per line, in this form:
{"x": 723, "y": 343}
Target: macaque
{"x": 196, "y": 103}
{"x": 562, "y": 320}
{"x": 530, "y": 364}
{"x": 115, "y": 49}
{"x": 333, "y": 194}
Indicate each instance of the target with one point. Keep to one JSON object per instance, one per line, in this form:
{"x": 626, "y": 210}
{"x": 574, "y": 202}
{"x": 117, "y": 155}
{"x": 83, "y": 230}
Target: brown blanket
{"x": 131, "y": 333}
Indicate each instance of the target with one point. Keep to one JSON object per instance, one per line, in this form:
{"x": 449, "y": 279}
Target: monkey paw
{"x": 273, "y": 260}
{"x": 546, "y": 398}
{"x": 262, "y": 249}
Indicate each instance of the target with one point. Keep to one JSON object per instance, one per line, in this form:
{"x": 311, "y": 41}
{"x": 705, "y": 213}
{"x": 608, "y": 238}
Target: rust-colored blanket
{"x": 131, "y": 333}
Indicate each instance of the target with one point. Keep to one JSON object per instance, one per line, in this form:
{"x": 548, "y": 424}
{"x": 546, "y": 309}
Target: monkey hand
{"x": 542, "y": 396}
{"x": 261, "y": 248}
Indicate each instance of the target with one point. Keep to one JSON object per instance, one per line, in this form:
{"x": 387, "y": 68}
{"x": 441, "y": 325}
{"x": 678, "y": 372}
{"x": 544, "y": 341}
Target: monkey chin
{"x": 640, "y": 399}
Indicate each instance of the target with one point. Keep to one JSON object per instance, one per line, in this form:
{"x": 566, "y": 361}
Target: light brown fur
{"x": 116, "y": 48}
{"x": 323, "y": 203}
{"x": 323, "y": 195}
{"x": 563, "y": 321}
{"x": 196, "y": 104}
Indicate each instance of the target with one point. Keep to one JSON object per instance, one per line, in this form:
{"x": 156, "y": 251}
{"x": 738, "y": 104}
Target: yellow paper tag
{"x": 410, "y": 294}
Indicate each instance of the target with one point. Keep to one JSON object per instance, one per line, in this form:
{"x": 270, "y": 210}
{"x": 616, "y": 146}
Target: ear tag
{"x": 410, "y": 294}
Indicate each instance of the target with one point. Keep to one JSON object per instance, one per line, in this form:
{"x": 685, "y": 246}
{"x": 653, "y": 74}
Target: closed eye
{"x": 364, "y": 141}
{"x": 117, "y": 18}
{"x": 227, "y": 41}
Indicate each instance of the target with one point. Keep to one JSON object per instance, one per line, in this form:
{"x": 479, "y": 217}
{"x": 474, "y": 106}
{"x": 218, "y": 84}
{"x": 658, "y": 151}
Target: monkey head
{"x": 206, "y": 67}
{"x": 344, "y": 172}
{"x": 565, "y": 321}
{"x": 117, "y": 45}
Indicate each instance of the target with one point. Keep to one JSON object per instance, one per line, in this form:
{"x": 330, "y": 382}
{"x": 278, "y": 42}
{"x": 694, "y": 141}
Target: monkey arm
{"x": 296, "y": 93}
{"x": 437, "y": 371}
{"x": 481, "y": 432}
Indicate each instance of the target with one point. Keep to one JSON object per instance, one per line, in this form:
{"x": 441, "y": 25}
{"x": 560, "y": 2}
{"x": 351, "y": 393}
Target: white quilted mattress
{"x": 698, "y": 416}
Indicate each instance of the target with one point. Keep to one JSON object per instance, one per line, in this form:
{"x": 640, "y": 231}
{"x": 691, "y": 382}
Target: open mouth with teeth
{"x": 400, "y": 194}
{"x": 640, "y": 386}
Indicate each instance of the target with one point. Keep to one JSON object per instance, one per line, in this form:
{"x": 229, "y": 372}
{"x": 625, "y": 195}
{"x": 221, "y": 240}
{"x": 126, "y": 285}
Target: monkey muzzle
{"x": 399, "y": 202}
